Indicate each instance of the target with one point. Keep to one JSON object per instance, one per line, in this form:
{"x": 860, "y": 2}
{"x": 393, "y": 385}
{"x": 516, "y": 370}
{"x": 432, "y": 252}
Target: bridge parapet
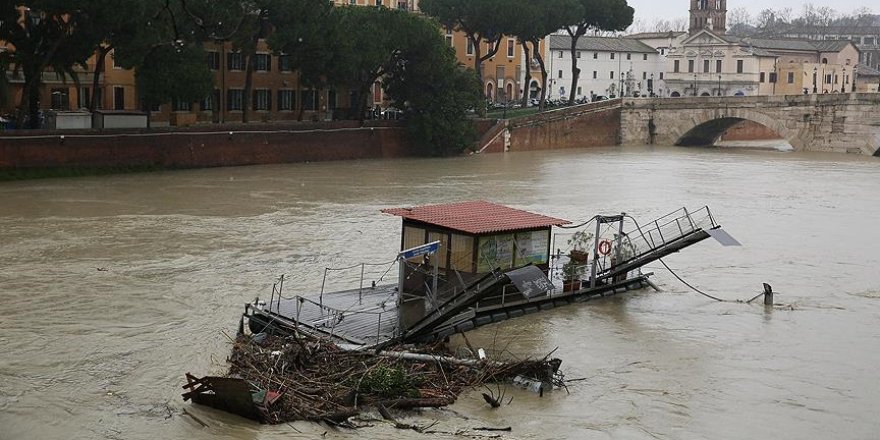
{"x": 847, "y": 123}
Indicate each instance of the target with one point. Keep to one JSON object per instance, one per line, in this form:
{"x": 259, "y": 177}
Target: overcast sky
{"x": 649, "y": 10}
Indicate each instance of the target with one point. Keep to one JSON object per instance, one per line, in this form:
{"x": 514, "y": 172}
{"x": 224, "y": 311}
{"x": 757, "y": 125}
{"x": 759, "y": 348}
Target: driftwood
{"x": 318, "y": 381}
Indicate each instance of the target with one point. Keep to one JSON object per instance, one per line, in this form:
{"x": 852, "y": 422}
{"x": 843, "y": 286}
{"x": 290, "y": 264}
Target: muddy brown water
{"x": 113, "y": 287}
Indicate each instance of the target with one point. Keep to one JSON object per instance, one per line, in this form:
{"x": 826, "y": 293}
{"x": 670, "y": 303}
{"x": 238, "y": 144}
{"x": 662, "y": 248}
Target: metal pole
{"x": 321, "y": 297}
{"x": 595, "y": 252}
{"x": 619, "y": 250}
{"x": 361, "y": 289}
{"x": 280, "y": 288}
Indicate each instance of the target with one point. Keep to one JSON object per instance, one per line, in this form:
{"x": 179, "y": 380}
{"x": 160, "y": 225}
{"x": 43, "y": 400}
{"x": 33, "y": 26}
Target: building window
{"x": 178, "y": 105}
{"x": 661, "y": 75}
{"x": 828, "y": 79}
{"x": 402, "y": 5}
{"x": 214, "y": 60}
{"x": 560, "y": 74}
{"x": 331, "y": 100}
{"x": 791, "y": 77}
{"x": 449, "y": 40}
{"x": 207, "y": 104}
{"x": 612, "y": 75}
{"x": 560, "y": 54}
{"x": 761, "y": 77}
{"x": 579, "y": 91}
{"x": 662, "y": 51}
{"x": 644, "y": 75}
{"x": 262, "y": 100}
{"x": 470, "y": 47}
{"x": 309, "y": 100}
{"x": 511, "y": 47}
{"x": 612, "y": 55}
{"x": 705, "y": 66}
{"x": 595, "y": 55}
{"x": 869, "y": 41}
{"x": 644, "y": 57}
{"x": 628, "y": 56}
{"x": 690, "y": 66}
{"x": 234, "y": 100}
{"x": 595, "y": 74}
{"x": 285, "y": 100}
{"x": 578, "y": 54}
{"x": 234, "y": 61}
{"x": 717, "y": 66}
{"x": 284, "y": 63}
{"x": 119, "y": 98}
{"x": 83, "y": 97}
{"x": 61, "y": 99}
{"x": 676, "y": 66}
{"x": 262, "y": 62}
{"x": 739, "y": 66}
{"x": 773, "y": 77}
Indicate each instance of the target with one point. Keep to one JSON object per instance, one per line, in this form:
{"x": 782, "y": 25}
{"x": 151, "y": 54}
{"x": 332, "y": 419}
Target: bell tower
{"x": 708, "y": 14}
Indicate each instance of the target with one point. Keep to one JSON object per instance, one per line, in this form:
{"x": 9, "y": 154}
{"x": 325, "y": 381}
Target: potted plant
{"x": 573, "y": 270}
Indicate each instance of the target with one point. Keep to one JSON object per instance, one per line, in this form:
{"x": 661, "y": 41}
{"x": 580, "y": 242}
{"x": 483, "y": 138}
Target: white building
{"x": 608, "y": 65}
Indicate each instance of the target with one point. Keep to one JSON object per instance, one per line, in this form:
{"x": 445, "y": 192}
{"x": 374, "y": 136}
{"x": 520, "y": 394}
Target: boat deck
{"x": 368, "y": 316}
{"x": 359, "y": 316}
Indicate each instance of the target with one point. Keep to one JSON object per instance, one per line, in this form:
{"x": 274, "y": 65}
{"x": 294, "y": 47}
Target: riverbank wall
{"x": 195, "y": 147}
{"x": 595, "y": 125}
{"x": 37, "y": 153}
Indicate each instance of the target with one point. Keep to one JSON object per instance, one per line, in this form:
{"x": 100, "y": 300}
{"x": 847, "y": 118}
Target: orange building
{"x": 277, "y": 94}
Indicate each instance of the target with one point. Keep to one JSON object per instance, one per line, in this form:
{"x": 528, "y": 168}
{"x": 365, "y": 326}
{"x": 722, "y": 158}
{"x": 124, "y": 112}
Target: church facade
{"x": 708, "y": 62}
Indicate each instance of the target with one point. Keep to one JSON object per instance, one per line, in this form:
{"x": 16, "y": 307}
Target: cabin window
{"x": 495, "y": 252}
{"x": 443, "y": 253}
{"x": 462, "y": 253}
{"x": 413, "y": 237}
{"x": 532, "y": 247}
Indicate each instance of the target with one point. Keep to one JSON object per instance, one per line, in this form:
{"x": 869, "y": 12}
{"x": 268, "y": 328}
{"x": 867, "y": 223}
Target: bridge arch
{"x": 709, "y": 125}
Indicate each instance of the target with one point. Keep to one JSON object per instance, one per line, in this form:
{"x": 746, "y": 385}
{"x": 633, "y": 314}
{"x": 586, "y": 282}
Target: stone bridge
{"x": 847, "y": 123}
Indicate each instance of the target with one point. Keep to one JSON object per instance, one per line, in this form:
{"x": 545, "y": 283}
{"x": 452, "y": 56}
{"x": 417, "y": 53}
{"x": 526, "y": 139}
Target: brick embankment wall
{"x": 193, "y": 149}
{"x": 749, "y": 131}
{"x": 207, "y": 146}
{"x": 598, "y": 128}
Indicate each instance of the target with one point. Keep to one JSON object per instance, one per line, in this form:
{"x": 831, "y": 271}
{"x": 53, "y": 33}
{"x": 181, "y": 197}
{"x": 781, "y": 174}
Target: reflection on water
{"x": 113, "y": 287}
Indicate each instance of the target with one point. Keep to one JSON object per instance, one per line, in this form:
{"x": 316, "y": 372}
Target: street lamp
{"x": 719, "y": 85}
{"x": 651, "y": 87}
{"x": 695, "y": 84}
{"x": 843, "y": 82}
{"x": 815, "y": 73}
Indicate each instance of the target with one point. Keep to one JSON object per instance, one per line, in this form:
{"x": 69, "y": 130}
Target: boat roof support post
{"x": 619, "y": 251}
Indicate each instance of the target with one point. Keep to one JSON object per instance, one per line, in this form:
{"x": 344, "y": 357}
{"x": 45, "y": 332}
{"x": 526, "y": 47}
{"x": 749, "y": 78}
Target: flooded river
{"x": 113, "y": 287}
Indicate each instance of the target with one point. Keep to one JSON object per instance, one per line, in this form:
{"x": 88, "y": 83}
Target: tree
{"x": 534, "y": 21}
{"x": 433, "y": 90}
{"x": 168, "y": 74}
{"x": 479, "y": 20}
{"x": 597, "y": 15}
{"x": 306, "y": 31}
{"x": 44, "y": 34}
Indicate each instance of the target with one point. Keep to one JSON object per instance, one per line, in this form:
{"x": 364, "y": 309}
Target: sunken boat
{"x": 466, "y": 265}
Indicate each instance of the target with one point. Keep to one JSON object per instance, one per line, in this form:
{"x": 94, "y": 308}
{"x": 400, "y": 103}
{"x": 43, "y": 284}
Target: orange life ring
{"x": 604, "y": 247}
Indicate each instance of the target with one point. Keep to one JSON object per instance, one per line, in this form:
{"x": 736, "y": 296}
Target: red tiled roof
{"x": 477, "y": 217}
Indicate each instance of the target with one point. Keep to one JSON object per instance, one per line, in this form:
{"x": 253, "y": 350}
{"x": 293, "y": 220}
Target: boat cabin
{"x": 475, "y": 238}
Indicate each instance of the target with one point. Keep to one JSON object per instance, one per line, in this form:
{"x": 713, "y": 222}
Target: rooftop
{"x": 601, "y": 44}
{"x": 476, "y": 217}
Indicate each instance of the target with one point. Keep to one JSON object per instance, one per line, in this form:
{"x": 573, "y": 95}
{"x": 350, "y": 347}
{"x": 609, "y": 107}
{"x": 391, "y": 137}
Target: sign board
{"x": 530, "y": 280}
{"x": 425, "y": 249}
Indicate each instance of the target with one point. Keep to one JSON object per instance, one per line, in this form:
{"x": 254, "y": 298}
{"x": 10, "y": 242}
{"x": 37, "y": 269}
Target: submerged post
{"x": 768, "y": 295}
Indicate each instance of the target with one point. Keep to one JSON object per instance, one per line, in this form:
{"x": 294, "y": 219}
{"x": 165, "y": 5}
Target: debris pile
{"x": 298, "y": 377}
